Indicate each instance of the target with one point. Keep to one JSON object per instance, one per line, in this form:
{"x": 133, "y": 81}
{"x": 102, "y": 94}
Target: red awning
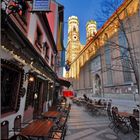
{"x": 68, "y": 93}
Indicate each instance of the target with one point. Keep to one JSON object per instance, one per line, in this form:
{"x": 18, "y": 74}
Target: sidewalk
{"x": 83, "y": 125}
{"x": 122, "y": 104}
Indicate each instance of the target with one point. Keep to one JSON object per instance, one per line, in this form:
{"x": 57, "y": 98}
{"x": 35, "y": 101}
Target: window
{"x": 74, "y": 29}
{"x": 105, "y": 36}
{"x": 47, "y": 53}
{"x": 108, "y": 64}
{"x": 24, "y": 17}
{"x": 11, "y": 84}
{"x": 124, "y": 57}
{"x": 38, "y": 41}
{"x": 50, "y": 89}
{"x": 96, "y": 64}
{"x": 45, "y": 91}
{"x": 25, "y": 12}
{"x": 47, "y": 50}
{"x": 52, "y": 60}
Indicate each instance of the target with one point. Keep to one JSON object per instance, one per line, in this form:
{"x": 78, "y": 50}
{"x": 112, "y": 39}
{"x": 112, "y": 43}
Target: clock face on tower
{"x": 74, "y": 37}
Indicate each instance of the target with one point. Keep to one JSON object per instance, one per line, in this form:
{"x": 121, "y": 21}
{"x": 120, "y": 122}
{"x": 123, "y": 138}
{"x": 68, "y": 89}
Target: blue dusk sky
{"x": 85, "y": 10}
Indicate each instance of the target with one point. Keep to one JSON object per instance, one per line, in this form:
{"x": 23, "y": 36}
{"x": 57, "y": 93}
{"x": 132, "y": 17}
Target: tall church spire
{"x": 73, "y": 44}
{"x": 91, "y": 29}
{"x": 73, "y": 29}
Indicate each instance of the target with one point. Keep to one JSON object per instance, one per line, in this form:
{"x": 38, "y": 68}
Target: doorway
{"x": 97, "y": 85}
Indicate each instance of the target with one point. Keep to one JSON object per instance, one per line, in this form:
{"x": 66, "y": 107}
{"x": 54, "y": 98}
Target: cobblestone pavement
{"x": 84, "y": 125}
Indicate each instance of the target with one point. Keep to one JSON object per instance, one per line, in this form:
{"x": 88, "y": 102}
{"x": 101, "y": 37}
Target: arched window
{"x": 74, "y": 29}
{"x": 105, "y": 36}
{"x": 95, "y": 43}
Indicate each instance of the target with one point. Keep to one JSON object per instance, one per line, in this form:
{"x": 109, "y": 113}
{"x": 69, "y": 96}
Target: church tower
{"x": 73, "y": 44}
{"x": 73, "y": 29}
{"x": 91, "y": 29}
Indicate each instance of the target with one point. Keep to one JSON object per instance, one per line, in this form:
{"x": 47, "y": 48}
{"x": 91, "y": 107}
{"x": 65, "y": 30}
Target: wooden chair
{"x": 19, "y": 137}
{"x": 114, "y": 118}
{"x": 4, "y": 130}
{"x": 119, "y": 122}
{"x": 136, "y": 113}
{"x": 135, "y": 126}
{"x": 109, "y": 114}
{"x": 17, "y": 124}
{"x": 58, "y": 132}
{"x": 109, "y": 106}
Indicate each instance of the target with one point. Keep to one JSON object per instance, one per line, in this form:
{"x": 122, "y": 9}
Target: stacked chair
{"x": 4, "y": 130}
{"x": 59, "y": 130}
{"x": 119, "y": 122}
{"x": 136, "y": 113}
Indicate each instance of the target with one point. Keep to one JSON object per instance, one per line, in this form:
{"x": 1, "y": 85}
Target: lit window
{"x": 38, "y": 41}
{"x": 11, "y": 84}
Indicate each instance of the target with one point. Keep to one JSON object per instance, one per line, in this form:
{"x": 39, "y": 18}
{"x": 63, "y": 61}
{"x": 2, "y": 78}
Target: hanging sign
{"x": 67, "y": 67}
{"x": 41, "y": 5}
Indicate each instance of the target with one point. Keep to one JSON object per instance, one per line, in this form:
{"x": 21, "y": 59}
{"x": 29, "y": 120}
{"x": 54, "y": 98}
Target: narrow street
{"x": 70, "y": 69}
{"x": 84, "y": 125}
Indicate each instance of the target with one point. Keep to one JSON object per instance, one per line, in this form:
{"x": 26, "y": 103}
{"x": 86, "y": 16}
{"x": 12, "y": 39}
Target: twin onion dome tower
{"x": 73, "y": 44}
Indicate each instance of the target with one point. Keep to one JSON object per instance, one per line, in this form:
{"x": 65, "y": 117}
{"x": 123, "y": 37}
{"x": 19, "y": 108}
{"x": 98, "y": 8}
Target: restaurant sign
{"x": 41, "y": 5}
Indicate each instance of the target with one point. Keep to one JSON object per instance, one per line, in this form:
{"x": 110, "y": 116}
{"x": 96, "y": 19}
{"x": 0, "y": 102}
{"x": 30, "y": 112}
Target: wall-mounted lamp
{"x": 35, "y": 96}
{"x": 29, "y": 76}
{"x": 50, "y": 84}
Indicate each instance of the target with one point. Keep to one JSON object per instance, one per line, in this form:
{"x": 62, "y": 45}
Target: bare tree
{"x": 106, "y": 10}
{"x": 128, "y": 55}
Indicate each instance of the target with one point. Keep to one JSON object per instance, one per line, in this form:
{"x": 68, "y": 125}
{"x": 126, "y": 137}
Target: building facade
{"x": 109, "y": 62}
{"x": 29, "y": 50}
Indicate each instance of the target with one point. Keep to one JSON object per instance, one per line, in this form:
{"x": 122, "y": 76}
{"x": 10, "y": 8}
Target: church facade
{"x": 74, "y": 46}
{"x": 109, "y": 62}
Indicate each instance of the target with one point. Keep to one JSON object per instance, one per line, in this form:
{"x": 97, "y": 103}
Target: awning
{"x": 68, "y": 93}
{"x": 64, "y": 82}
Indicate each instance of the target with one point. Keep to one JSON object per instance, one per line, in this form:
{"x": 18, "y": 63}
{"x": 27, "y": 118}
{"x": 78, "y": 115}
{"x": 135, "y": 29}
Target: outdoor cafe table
{"x": 125, "y": 114}
{"x": 38, "y": 128}
{"x": 51, "y": 114}
{"x": 96, "y": 106}
{"x": 99, "y": 106}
